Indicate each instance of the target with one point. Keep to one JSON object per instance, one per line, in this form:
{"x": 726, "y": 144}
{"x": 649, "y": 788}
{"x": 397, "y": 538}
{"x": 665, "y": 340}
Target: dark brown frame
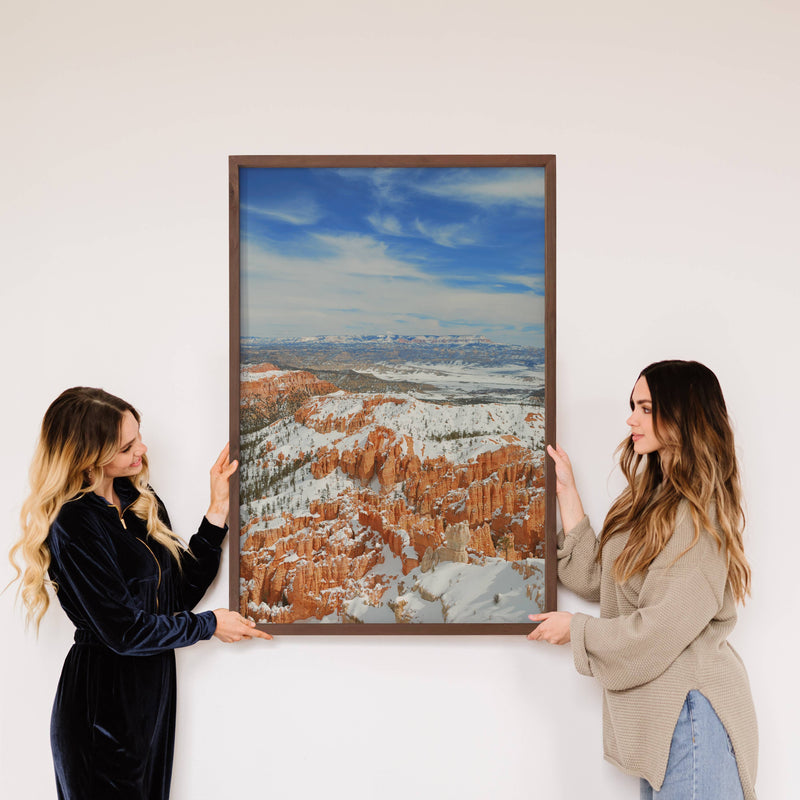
{"x": 398, "y": 161}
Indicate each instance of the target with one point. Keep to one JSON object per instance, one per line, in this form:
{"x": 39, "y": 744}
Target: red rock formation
{"x": 310, "y": 415}
{"x": 366, "y": 464}
{"x": 276, "y": 391}
{"x": 312, "y": 564}
{"x": 481, "y": 542}
{"x": 285, "y": 384}
{"x": 325, "y": 462}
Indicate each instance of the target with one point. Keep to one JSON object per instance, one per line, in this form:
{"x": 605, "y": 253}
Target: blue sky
{"x": 409, "y": 251}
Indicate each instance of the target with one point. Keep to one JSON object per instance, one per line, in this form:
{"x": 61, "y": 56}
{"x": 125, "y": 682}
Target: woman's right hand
{"x": 565, "y": 480}
{"x": 569, "y": 501}
{"x": 232, "y": 627}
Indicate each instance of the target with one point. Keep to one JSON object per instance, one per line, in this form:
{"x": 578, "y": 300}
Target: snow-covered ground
{"x": 428, "y": 425}
{"x": 495, "y": 591}
{"x": 248, "y": 376}
{"x": 480, "y": 428}
{"x": 456, "y": 379}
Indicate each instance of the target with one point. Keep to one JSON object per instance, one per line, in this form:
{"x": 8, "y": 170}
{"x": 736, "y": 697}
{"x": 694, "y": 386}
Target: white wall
{"x": 676, "y": 130}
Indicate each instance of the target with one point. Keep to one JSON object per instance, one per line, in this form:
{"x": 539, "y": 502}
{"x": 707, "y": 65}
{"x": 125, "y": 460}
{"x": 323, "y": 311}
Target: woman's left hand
{"x": 221, "y": 472}
{"x": 233, "y": 627}
{"x": 553, "y": 627}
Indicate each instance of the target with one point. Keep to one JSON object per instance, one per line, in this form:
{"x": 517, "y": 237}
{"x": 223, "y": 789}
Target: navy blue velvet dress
{"x": 113, "y": 724}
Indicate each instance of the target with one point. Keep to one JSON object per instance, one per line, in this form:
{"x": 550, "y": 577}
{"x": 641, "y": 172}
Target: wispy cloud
{"x": 484, "y": 186}
{"x": 494, "y": 187}
{"x": 386, "y": 184}
{"x": 359, "y": 256}
{"x": 386, "y": 224}
{"x": 293, "y": 212}
{"x": 454, "y": 235}
{"x": 459, "y": 234}
{"x": 533, "y": 282}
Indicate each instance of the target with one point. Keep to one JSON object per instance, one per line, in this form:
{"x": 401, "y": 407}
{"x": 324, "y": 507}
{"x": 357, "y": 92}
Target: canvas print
{"x": 391, "y": 387}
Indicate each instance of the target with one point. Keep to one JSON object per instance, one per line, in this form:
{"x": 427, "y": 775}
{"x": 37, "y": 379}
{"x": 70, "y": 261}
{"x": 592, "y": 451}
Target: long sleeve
{"x": 679, "y": 596}
{"x": 578, "y": 568}
{"x": 97, "y": 596}
{"x": 201, "y": 563}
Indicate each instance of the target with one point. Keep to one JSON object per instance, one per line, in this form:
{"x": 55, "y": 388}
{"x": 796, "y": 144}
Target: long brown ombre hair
{"x": 80, "y": 433}
{"x": 696, "y": 463}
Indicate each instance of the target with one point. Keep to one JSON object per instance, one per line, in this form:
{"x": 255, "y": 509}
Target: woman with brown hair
{"x": 668, "y": 570}
{"x": 95, "y": 533}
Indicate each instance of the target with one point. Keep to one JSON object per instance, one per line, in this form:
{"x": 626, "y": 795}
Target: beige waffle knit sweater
{"x": 658, "y": 637}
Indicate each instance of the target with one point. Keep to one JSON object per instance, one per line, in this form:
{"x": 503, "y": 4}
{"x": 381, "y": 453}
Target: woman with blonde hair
{"x": 668, "y": 570}
{"x": 95, "y": 533}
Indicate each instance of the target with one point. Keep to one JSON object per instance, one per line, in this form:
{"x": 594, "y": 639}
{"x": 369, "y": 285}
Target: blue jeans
{"x": 702, "y": 764}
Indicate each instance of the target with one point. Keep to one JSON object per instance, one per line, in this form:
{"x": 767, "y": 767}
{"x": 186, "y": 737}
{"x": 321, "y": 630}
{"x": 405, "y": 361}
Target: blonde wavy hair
{"x": 80, "y": 433}
{"x": 697, "y": 463}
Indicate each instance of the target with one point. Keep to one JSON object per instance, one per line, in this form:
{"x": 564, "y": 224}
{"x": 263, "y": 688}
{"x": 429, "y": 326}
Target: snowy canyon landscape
{"x": 391, "y": 479}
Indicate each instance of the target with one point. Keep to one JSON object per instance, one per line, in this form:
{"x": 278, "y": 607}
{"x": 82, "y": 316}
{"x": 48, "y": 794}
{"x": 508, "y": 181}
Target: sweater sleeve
{"x": 578, "y": 568}
{"x": 676, "y": 603}
{"x": 91, "y": 583}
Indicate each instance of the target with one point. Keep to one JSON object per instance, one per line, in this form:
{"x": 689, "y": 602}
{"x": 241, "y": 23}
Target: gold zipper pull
{"x": 119, "y": 514}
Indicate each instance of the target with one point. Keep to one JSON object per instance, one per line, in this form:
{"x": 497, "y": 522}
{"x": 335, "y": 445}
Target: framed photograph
{"x": 392, "y": 352}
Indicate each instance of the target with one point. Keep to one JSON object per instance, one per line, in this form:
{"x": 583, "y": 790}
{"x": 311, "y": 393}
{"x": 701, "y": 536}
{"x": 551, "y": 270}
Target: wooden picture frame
{"x": 392, "y": 388}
